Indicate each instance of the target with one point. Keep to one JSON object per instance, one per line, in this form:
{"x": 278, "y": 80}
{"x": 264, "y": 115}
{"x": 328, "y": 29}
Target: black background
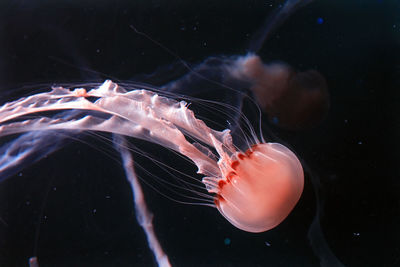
{"x": 353, "y": 155}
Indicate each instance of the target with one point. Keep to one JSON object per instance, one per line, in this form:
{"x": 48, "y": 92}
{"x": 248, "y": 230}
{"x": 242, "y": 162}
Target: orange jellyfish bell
{"x": 262, "y": 187}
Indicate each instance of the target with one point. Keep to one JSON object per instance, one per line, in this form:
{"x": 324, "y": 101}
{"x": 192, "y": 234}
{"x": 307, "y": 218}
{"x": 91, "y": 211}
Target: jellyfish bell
{"x": 262, "y": 187}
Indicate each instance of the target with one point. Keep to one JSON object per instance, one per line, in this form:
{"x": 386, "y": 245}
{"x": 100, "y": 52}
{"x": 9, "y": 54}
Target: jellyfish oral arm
{"x": 255, "y": 190}
{"x": 138, "y": 113}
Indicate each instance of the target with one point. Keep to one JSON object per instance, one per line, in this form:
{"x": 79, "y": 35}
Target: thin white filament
{"x": 143, "y": 216}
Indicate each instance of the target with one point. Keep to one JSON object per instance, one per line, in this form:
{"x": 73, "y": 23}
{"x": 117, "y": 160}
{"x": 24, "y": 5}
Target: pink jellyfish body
{"x": 254, "y": 190}
{"x": 262, "y": 188}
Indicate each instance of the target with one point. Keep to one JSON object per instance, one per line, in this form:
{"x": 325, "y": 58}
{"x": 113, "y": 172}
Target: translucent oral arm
{"x": 138, "y": 113}
{"x": 133, "y": 106}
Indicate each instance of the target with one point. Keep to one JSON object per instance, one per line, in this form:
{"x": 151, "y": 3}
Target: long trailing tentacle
{"x": 143, "y": 215}
{"x": 273, "y": 22}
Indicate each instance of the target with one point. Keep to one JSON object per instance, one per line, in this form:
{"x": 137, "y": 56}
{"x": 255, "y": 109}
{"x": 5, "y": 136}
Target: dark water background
{"x": 79, "y": 196}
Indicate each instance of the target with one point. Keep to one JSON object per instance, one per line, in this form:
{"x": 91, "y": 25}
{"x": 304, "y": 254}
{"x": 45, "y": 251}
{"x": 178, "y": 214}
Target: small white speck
{"x": 267, "y": 244}
{"x": 346, "y": 121}
{"x": 356, "y": 234}
{"x": 108, "y": 197}
{"x": 28, "y": 203}
{"x": 98, "y": 50}
{"x": 359, "y": 142}
{"x": 94, "y": 210}
{"x": 54, "y": 188}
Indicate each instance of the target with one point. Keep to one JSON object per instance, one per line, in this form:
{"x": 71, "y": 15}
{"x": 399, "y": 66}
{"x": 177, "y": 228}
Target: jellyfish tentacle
{"x": 143, "y": 215}
{"x": 273, "y": 22}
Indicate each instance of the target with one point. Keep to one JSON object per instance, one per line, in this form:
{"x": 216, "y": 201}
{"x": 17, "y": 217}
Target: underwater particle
{"x": 267, "y": 243}
{"x": 33, "y": 262}
{"x": 320, "y": 20}
{"x": 227, "y": 241}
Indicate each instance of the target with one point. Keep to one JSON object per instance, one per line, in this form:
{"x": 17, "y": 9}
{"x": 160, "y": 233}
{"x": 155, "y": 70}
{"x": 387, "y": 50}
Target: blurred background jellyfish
{"x": 294, "y": 100}
{"x": 291, "y": 99}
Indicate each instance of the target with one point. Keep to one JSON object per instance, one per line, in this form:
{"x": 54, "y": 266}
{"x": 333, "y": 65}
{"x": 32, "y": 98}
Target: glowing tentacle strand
{"x": 143, "y": 216}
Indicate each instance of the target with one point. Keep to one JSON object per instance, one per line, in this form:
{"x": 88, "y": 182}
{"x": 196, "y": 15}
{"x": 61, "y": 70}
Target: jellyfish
{"x": 255, "y": 190}
{"x": 252, "y": 203}
{"x": 294, "y": 100}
